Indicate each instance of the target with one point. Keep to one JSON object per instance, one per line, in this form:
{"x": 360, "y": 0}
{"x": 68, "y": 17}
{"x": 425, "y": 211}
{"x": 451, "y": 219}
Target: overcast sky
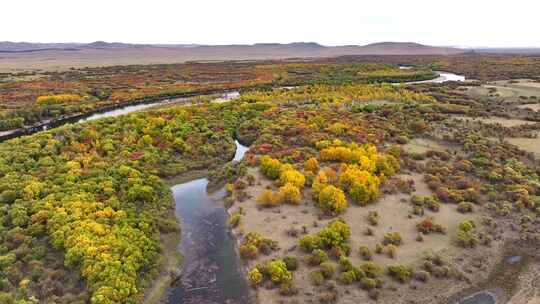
{"x": 336, "y": 22}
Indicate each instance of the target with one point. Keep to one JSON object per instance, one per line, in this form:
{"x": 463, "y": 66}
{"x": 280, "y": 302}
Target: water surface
{"x": 211, "y": 267}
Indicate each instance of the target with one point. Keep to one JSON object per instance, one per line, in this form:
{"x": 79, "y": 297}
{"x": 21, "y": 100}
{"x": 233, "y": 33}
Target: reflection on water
{"x": 211, "y": 268}
{"x": 133, "y": 108}
{"x": 483, "y": 297}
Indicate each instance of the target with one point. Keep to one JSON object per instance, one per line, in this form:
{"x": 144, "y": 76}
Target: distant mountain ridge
{"x": 381, "y": 48}
{"x": 17, "y": 56}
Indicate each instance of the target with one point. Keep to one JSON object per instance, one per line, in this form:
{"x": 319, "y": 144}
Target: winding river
{"x": 211, "y": 267}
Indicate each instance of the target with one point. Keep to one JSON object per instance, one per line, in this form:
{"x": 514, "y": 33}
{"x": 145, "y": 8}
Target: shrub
{"x": 361, "y": 185}
{"x": 373, "y": 218}
{"x": 421, "y": 275}
{"x": 319, "y": 183}
{"x": 334, "y": 236}
{"x": 332, "y": 200}
{"x": 291, "y": 263}
{"x": 345, "y": 264}
{"x": 288, "y": 289}
{"x": 58, "y": 99}
{"x": 427, "y": 226}
{"x": 428, "y": 202}
{"x": 348, "y": 277}
{"x": 393, "y": 238}
{"x": 379, "y": 248}
{"x": 465, "y": 207}
{"x": 289, "y": 194}
{"x": 371, "y": 269}
{"x": 317, "y": 257}
{"x": 271, "y": 168}
{"x": 441, "y": 271}
{"x": 268, "y": 198}
{"x": 254, "y": 243}
{"x": 316, "y": 277}
{"x": 465, "y": 234}
{"x": 255, "y": 277}
{"x": 309, "y": 243}
{"x": 249, "y": 251}
{"x": 291, "y": 176}
{"x": 311, "y": 165}
{"x": 368, "y": 283}
{"x": 392, "y": 251}
{"x": 401, "y": 273}
{"x": 365, "y": 253}
{"x": 278, "y": 272}
{"x": 234, "y": 220}
{"x": 327, "y": 270}
{"x": 229, "y": 188}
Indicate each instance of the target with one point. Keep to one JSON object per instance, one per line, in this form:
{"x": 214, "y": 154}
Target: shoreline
{"x": 172, "y": 266}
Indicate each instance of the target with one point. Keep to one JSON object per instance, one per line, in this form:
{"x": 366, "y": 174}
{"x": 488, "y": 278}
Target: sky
{"x": 472, "y": 23}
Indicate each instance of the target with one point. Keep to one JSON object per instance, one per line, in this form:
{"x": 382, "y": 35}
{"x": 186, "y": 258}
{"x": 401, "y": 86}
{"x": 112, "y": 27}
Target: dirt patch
{"x": 393, "y": 209}
{"x": 422, "y": 145}
{"x": 505, "y": 122}
{"x": 532, "y": 106}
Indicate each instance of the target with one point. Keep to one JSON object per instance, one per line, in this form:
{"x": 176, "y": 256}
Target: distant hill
{"x": 524, "y": 51}
{"x": 394, "y": 48}
{"x": 31, "y": 56}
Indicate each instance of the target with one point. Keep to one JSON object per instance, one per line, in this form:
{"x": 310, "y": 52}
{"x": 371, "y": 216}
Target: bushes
{"x": 317, "y": 257}
{"x": 373, "y": 218}
{"x": 368, "y": 283}
{"x": 401, "y": 273}
{"x": 334, "y": 236}
{"x": 327, "y": 270}
{"x": 311, "y": 165}
{"x": 254, "y": 243}
{"x": 465, "y": 234}
{"x": 428, "y": 202}
{"x": 274, "y": 270}
{"x": 292, "y": 177}
{"x": 393, "y": 238}
{"x": 421, "y": 275}
{"x": 255, "y": 277}
{"x": 308, "y": 243}
{"x": 365, "y": 253}
{"x": 392, "y": 251}
{"x": 465, "y": 207}
{"x": 58, "y": 99}
{"x": 291, "y": 263}
{"x": 271, "y": 168}
{"x": 345, "y": 264}
{"x": 316, "y": 277}
{"x": 289, "y": 194}
{"x": 234, "y": 220}
{"x": 268, "y": 198}
{"x": 348, "y": 277}
{"x": 361, "y": 185}
{"x": 427, "y": 226}
{"x": 278, "y": 272}
{"x": 332, "y": 200}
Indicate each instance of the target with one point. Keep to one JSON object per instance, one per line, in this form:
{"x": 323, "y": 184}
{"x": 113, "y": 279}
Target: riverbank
{"x": 83, "y": 116}
{"x": 168, "y": 99}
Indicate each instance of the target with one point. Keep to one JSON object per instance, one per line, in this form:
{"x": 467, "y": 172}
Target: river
{"x": 4, "y": 135}
{"x": 211, "y": 267}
